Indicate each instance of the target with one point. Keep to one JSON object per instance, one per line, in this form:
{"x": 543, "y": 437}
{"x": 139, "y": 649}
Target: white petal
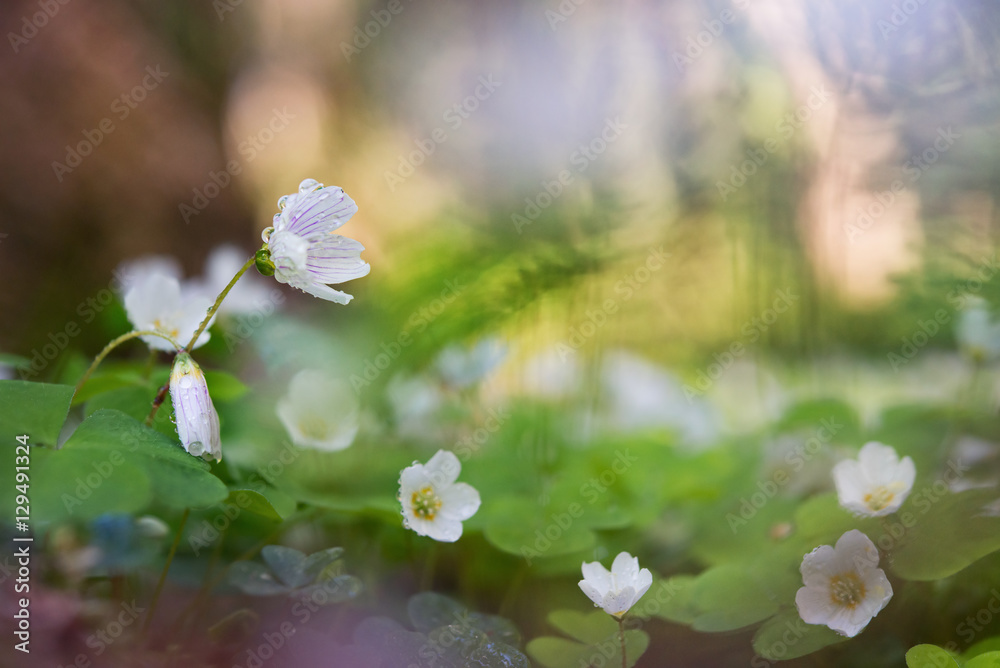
{"x": 596, "y": 574}
{"x": 814, "y": 604}
{"x": 593, "y": 593}
{"x": 643, "y": 583}
{"x": 618, "y": 603}
{"x": 443, "y": 468}
{"x": 459, "y": 501}
{"x": 443, "y": 529}
{"x": 325, "y": 292}
{"x": 850, "y": 483}
{"x": 317, "y": 212}
{"x": 412, "y": 479}
{"x": 336, "y": 259}
{"x": 625, "y": 568}
{"x": 854, "y": 551}
{"x": 196, "y": 418}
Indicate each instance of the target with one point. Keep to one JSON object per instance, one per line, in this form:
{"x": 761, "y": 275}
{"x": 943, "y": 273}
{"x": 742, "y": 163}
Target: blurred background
{"x": 836, "y": 149}
{"x": 683, "y": 214}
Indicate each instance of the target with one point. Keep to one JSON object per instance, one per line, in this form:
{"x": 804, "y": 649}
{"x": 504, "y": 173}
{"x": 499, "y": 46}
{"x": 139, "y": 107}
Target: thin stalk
{"x": 217, "y": 304}
{"x": 158, "y": 400}
{"x": 427, "y": 579}
{"x": 166, "y": 569}
{"x": 114, "y": 344}
{"x": 621, "y": 638}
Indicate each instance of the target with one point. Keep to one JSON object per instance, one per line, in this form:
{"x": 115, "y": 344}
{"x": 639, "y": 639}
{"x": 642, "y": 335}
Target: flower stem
{"x": 166, "y": 569}
{"x": 114, "y": 344}
{"x": 621, "y": 638}
{"x": 427, "y": 578}
{"x": 217, "y": 304}
{"x": 161, "y": 395}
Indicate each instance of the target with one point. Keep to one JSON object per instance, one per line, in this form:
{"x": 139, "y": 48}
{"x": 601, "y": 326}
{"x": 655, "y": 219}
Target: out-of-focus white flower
{"x": 434, "y": 504}
{"x": 617, "y": 590}
{"x": 641, "y": 395}
{"x": 876, "y": 483}
{"x": 197, "y": 421}
{"x": 248, "y": 295}
{"x": 553, "y": 374}
{"x": 132, "y": 270}
{"x": 415, "y": 401}
{"x": 156, "y": 301}
{"x": 319, "y": 412}
{"x": 304, "y": 249}
{"x": 844, "y": 587}
{"x": 463, "y": 367}
{"x": 977, "y": 333}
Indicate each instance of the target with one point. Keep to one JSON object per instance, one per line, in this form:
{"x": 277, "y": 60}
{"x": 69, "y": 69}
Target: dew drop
{"x": 309, "y": 185}
{"x": 283, "y": 201}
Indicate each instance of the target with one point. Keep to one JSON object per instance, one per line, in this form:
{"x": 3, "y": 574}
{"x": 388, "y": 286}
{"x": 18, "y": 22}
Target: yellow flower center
{"x": 425, "y": 503}
{"x": 314, "y": 427}
{"x": 172, "y": 333}
{"x": 879, "y": 498}
{"x": 847, "y": 590}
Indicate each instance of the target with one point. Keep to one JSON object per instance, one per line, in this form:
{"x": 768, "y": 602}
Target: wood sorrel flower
{"x": 319, "y": 412}
{"x": 617, "y": 590}
{"x": 844, "y": 587}
{"x": 303, "y": 247}
{"x": 197, "y": 421}
{"x": 876, "y": 483}
{"x": 157, "y": 301}
{"x": 433, "y": 503}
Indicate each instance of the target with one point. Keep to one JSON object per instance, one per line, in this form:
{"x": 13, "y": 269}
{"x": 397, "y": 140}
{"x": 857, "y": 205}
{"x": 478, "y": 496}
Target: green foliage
{"x": 114, "y": 463}
{"x": 37, "y": 410}
{"x": 595, "y": 640}
{"x": 317, "y": 577}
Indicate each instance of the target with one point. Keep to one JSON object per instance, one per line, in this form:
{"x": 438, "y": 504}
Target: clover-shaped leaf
{"x": 316, "y": 578}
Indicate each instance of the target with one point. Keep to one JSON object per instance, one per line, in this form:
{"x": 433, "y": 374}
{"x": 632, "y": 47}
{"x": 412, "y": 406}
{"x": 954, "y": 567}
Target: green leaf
{"x": 929, "y": 656}
{"x": 224, "y": 386}
{"x": 83, "y": 484}
{"x": 286, "y": 563}
{"x": 37, "y": 410}
{"x": 947, "y": 533}
{"x": 986, "y": 660}
{"x": 520, "y": 527}
{"x": 599, "y": 642}
{"x": 268, "y": 502}
{"x": 679, "y": 606}
{"x": 101, "y": 383}
{"x": 584, "y": 626}
{"x": 982, "y": 647}
{"x": 786, "y": 636}
{"x": 730, "y": 597}
{"x": 123, "y": 466}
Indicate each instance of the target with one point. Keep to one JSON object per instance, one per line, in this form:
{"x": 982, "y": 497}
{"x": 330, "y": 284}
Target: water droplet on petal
{"x": 283, "y": 201}
{"x": 266, "y": 234}
{"x": 309, "y": 185}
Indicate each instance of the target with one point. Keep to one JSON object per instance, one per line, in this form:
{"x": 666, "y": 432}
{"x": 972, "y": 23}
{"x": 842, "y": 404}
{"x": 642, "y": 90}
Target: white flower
{"x": 844, "y": 587}
{"x": 248, "y": 295}
{"x": 462, "y": 367}
{"x": 877, "y": 483}
{"x": 319, "y": 412}
{"x": 618, "y": 590}
{"x": 304, "y": 249}
{"x": 155, "y": 301}
{"x": 433, "y": 503}
{"x": 197, "y": 421}
{"x": 977, "y": 334}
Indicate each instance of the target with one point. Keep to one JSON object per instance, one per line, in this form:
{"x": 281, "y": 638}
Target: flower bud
{"x": 262, "y": 260}
{"x": 197, "y": 421}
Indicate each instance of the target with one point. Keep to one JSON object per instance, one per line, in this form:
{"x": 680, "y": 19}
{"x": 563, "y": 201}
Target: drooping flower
{"x": 156, "y": 301}
{"x": 434, "y": 504}
{"x": 319, "y": 412}
{"x": 844, "y": 587}
{"x": 197, "y": 421}
{"x": 977, "y": 333}
{"x": 876, "y": 483}
{"x": 617, "y": 590}
{"x": 303, "y": 248}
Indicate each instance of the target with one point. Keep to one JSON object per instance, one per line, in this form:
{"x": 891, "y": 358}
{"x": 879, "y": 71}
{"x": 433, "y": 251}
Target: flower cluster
{"x": 844, "y": 588}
